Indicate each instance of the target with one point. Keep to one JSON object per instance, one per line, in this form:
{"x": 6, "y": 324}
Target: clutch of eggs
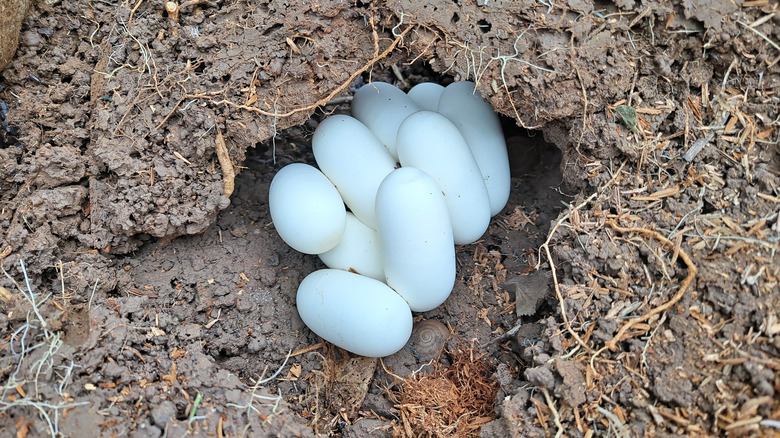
{"x": 399, "y": 184}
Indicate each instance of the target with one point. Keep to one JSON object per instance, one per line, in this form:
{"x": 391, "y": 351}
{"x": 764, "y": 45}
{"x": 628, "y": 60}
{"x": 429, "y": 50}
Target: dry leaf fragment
{"x": 294, "y": 373}
{"x": 214, "y": 321}
{"x": 694, "y": 105}
{"x": 650, "y": 111}
{"x": 178, "y": 352}
{"x": 730, "y": 125}
{"x": 228, "y": 172}
{"x": 764, "y": 134}
{"x": 21, "y": 432}
{"x": 181, "y": 157}
{"x": 663, "y": 193}
{"x": 296, "y": 369}
{"x": 5, "y": 295}
{"x": 170, "y": 378}
{"x": 5, "y": 252}
{"x": 669, "y": 20}
{"x": 294, "y": 47}
{"x": 154, "y": 331}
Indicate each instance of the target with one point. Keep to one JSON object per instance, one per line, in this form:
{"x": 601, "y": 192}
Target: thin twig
{"x": 332, "y": 94}
{"x": 546, "y": 247}
{"x": 556, "y": 415}
{"x": 757, "y": 32}
{"x": 505, "y": 335}
{"x": 612, "y": 344}
{"x": 135, "y": 8}
{"x": 615, "y": 421}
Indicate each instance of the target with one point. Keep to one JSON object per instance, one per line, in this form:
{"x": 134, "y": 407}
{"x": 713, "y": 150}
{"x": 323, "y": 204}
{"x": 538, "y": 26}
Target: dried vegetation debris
{"x": 452, "y": 401}
{"x": 661, "y": 318}
{"x": 676, "y": 188}
{"x": 702, "y": 215}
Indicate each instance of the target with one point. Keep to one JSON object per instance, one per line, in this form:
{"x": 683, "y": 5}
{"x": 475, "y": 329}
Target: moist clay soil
{"x": 629, "y": 288}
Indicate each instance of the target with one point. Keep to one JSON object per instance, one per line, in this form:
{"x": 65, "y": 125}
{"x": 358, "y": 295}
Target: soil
{"x": 629, "y": 288}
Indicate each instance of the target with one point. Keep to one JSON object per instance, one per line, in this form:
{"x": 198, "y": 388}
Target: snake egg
{"x": 430, "y": 142}
{"x": 351, "y": 156}
{"x": 382, "y": 107}
{"x": 357, "y": 251}
{"x": 306, "y": 209}
{"x": 415, "y": 238}
{"x": 426, "y": 95}
{"x": 357, "y": 313}
{"x": 481, "y": 128}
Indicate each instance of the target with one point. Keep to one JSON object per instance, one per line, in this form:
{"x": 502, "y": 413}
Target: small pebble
{"x": 163, "y": 413}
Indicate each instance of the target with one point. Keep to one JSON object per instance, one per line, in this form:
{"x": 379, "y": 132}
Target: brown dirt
{"x": 643, "y": 247}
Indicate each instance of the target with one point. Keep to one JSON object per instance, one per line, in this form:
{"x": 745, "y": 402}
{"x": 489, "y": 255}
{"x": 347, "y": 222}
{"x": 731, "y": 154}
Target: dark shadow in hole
{"x": 272, "y": 29}
{"x": 537, "y": 189}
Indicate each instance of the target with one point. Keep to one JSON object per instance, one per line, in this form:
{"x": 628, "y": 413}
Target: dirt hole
{"x": 537, "y": 197}
{"x": 164, "y": 298}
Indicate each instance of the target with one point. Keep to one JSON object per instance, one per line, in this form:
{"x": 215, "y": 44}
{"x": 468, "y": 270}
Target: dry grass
{"x": 454, "y": 401}
{"x": 31, "y": 353}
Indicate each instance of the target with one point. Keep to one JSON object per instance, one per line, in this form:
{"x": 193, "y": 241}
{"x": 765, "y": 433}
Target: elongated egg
{"x": 481, "y": 128}
{"x": 357, "y": 313}
{"x": 426, "y": 95}
{"x": 357, "y": 251}
{"x": 351, "y": 156}
{"x": 382, "y": 107}
{"x": 415, "y": 238}
{"x": 306, "y": 209}
{"x": 430, "y": 142}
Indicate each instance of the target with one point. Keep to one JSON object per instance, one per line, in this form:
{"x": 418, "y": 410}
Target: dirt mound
{"x": 630, "y": 286}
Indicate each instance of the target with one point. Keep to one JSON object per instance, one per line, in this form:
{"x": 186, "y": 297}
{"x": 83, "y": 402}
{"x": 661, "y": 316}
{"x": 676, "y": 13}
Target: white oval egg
{"x": 382, "y": 107}
{"x": 356, "y": 313}
{"x": 351, "y": 156}
{"x": 357, "y": 251}
{"x": 415, "y": 238}
{"x": 306, "y": 209}
{"x": 426, "y": 95}
{"x": 481, "y": 128}
{"x": 430, "y": 142}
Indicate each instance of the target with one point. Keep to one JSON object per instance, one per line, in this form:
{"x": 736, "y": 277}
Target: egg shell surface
{"x": 357, "y": 313}
{"x": 426, "y": 95}
{"x": 481, "y": 128}
{"x": 358, "y": 250}
{"x": 415, "y": 238}
{"x": 306, "y": 209}
{"x": 352, "y": 157}
{"x": 432, "y": 143}
{"x": 382, "y": 107}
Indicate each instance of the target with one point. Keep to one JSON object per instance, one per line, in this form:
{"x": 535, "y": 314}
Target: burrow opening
{"x": 537, "y": 197}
